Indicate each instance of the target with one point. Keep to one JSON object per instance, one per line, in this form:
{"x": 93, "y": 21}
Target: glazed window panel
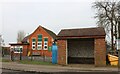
{"x": 45, "y": 43}
{"x": 39, "y": 39}
{"x": 39, "y": 46}
{"x": 33, "y": 43}
{"x": 39, "y": 43}
{"x": 33, "y": 47}
{"x": 34, "y": 40}
{"x": 12, "y": 48}
{"x": 18, "y": 49}
{"x": 40, "y": 36}
{"x": 45, "y": 39}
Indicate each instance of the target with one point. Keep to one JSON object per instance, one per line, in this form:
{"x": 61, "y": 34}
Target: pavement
{"x": 55, "y": 68}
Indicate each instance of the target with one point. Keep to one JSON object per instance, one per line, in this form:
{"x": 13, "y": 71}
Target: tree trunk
{"x": 115, "y": 32}
{"x": 112, "y": 44}
{"x": 119, "y": 29}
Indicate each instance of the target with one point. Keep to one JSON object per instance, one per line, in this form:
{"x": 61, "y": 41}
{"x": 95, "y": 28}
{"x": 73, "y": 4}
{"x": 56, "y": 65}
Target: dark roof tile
{"x": 98, "y": 31}
{"x": 50, "y": 32}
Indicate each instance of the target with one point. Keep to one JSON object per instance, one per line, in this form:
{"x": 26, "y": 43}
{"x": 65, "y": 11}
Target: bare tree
{"x": 1, "y": 46}
{"x": 1, "y": 41}
{"x": 107, "y": 16}
{"x": 20, "y": 35}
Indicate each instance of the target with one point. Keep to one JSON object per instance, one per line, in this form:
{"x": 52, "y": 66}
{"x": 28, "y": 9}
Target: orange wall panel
{"x": 44, "y": 34}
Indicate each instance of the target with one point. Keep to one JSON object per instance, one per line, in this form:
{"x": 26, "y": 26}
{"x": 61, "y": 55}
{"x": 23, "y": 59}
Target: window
{"x": 33, "y": 47}
{"x": 33, "y": 43}
{"x": 33, "y": 40}
{"x": 39, "y": 44}
{"x": 45, "y": 43}
{"x": 18, "y": 49}
{"x": 12, "y": 48}
{"x": 39, "y": 47}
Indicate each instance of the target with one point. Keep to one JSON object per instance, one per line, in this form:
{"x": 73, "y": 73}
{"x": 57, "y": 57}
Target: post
{"x": 20, "y": 54}
{"x": 43, "y": 55}
{"x": 3, "y": 51}
{"x": 12, "y": 55}
{"x": 31, "y": 55}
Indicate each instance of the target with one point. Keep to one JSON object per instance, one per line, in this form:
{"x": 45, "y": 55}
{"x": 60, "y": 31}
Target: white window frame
{"x": 17, "y": 49}
{"x": 34, "y": 44}
{"x": 39, "y": 45}
{"x": 12, "y": 48}
{"x": 45, "y": 43}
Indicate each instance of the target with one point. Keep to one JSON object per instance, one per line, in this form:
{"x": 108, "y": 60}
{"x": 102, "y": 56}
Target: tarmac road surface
{"x": 6, "y": 71}
{"x": 17, "y": 68}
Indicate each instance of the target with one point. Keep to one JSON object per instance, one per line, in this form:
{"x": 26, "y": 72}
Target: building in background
{"x": 38, "y": 43}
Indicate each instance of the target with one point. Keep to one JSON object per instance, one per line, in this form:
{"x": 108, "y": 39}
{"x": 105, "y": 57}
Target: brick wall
{"x": 100, "y": 52}
{"x": 62, "y": 52}
{"x": 25, "y": 50}
{"x": 40, "y": 30}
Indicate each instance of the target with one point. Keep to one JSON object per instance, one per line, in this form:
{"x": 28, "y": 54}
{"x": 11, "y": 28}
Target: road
{"x": 5, "y": 71}
{"x": 55, "y": 69}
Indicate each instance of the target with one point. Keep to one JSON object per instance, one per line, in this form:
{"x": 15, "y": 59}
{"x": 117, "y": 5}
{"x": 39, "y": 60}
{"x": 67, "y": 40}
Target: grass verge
{"x": 5, "y": 60}
{"x": 35, "y": 62}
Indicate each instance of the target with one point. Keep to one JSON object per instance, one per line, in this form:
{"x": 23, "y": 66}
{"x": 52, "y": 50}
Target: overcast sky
{"x": 54, "y": 15}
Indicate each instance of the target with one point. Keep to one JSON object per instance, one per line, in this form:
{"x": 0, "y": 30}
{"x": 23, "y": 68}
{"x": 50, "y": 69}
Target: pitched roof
{"x": 53, "y": 35}
{"x": 25, "y": 39}
{"x": 50, "y": 32}
{"x": 82, "y": 32}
